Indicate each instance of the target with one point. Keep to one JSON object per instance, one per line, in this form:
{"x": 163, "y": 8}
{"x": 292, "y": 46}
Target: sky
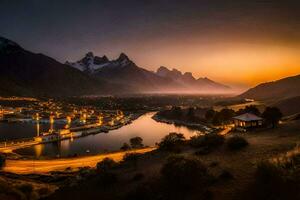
{"x": 240, "y": 43}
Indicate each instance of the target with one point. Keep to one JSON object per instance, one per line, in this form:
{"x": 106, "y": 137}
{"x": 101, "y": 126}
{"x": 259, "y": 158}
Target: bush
{"x": 2, "y": 161}
{"x": 136, "y": 142}
{"x": 172, "y": 142}
{"x": 125, "y": 147}
{"x": 27, "y": 190}
{"x": 44, "y": 191}
{"x": 272, "y": 182}
{"x": 131, "y": 158}
{"x": 236, "y": 143}
{"x": 138, "y": 177}
{"x": 106, "y": 164}
{"x": 203, "y": 151}
{"x": 184, "y": 172}
{"x": 208, "y": 140}
{"x": 226, "y": 175}
{"x": 107, "y": 178}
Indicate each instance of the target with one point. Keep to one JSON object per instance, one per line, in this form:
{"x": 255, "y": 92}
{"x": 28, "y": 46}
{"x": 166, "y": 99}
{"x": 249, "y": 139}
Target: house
{"x": 247, "y": 121}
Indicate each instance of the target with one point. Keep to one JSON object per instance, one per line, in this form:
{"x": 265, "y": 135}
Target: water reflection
{"x": 144, "y": 127}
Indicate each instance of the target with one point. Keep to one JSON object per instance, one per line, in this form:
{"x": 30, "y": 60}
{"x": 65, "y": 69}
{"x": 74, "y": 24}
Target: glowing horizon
{"x": 240, "y": 43}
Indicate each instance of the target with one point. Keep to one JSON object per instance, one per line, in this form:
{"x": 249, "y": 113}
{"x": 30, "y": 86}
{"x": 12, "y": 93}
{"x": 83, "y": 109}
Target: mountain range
{"x": 124, "y": 71}
{"x": 24, "y": 73}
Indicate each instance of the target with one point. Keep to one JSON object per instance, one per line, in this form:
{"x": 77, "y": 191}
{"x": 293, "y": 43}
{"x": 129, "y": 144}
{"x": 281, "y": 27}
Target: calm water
{"x": 144, "y": 127}
{"x": 10, "y": 131}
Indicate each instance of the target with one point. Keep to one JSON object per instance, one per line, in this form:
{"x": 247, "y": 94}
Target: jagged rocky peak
{"x": 189, "y": 75}
{"x": 162, "y": 71}
{"x": 123, "y": 60}
{"x": 176, "y": 72}
{"x": 165, "y": 72}
{"x": 100, "y": 60}
{"x": 123, "y": 56}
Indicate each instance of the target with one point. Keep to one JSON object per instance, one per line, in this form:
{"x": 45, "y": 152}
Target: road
{"x": 10, "y": 148}
{"x": 46, "y": 166}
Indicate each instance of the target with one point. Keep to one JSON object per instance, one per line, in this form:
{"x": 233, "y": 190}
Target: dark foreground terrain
{"x": 226, "y": 173}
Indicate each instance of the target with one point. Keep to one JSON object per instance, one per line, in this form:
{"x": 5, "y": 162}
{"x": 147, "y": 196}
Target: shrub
{"x": 203, "y": 151}
{"x": 2, "y": 161}
{"x": 107, "y": 178}
{"x": 136, "y": 142}
{"x": 26, "y": 189}
{"x": 236, "y": 143}
{"x": 44, "y": 191}
{"x": 226, "y": 175}
{"x": 270, "y": 183}
{"x": 138, "y": 177}
{"x": 131, "y": 158}
{"x": 9, "y": 191}
{"x": 208, "y": 140}
{"x": 184, "y": 172}
{"x": 125, "y": 147}
{"x": 106, "y": 164}
{"x": 172, "y": 142}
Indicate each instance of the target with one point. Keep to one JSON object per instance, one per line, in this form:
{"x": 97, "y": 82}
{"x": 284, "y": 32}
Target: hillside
{"x": 280, "y": 89}
{"x": 24, "y": 73}
{"x": 289, "y": 106}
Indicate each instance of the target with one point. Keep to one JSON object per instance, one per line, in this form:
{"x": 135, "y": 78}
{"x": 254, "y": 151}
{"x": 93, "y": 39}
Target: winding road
{"x": 46, "y": 166}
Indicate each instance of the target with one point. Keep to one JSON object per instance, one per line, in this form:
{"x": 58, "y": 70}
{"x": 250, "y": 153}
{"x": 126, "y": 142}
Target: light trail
{"x": 46, "y": 166}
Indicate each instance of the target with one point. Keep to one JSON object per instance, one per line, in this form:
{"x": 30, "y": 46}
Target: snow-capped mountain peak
{"x": 91, "y": 64}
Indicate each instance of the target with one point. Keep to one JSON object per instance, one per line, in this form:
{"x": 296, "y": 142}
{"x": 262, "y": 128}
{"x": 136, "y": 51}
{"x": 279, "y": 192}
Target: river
{"x": 144, "y": 127}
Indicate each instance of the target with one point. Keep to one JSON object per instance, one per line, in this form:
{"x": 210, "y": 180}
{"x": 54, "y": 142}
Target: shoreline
{"x": 10, "y": 150}
{"x": 197, "y": 126}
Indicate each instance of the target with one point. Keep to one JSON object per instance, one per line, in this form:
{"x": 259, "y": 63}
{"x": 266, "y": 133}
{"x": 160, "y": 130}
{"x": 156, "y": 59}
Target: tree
{"x": 272, "y": 115}
{"x": 125, "y": 147}
{"x": 249, "y": 109}
{"x": 176, "y": 112}
{"x": 172, "y": 142}
{"x": 209, "y": 115}
{"x": 136, "y": 142}
{"x": 2, "y": 161}
{"x": 191, "y": 114}
{"x": 224, "y": 116}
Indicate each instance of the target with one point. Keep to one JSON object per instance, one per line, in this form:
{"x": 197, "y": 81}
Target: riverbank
{"x": 202, "y": 127}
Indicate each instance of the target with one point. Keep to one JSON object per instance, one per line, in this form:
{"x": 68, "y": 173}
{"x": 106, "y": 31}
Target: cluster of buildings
{"x": 77, "y": 121}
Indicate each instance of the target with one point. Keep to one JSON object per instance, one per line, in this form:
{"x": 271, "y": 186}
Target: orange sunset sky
{"x": 240, "y": 43}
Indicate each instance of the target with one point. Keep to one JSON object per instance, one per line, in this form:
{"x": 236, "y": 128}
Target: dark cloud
{"x": 65, "y": 29}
